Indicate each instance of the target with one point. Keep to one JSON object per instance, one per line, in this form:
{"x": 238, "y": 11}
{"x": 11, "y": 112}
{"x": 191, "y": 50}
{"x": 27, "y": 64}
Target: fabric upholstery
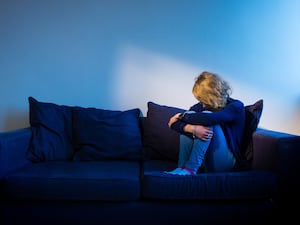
{"x": 160, "y": 142}
{"x": 102, "y": 180}
{"x": 206, "y": 186}
{"x": 13, "y": 146}
{"x": 106, "y": 134}
{"x": 96, "y": 134}
{"x": 51, "y": 126}
{"x": 252, "y": 117}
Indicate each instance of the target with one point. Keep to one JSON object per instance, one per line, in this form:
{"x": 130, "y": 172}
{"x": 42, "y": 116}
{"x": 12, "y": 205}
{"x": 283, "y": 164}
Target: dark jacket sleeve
{"x": 228, "y": 114}
{"x": 179, "y": 125}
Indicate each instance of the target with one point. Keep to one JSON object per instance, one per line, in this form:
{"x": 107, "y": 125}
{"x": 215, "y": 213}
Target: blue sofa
{"x": 77, "y": 165}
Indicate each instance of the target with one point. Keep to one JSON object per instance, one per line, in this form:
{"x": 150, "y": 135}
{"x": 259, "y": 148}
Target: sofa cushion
{"x": 106, "y": 134}
{"x": 252, "y": 117}
{"x": 101, "y": 180}
{"x": 160, "y": 142}
{"x": 51, "y": 126}
{"x": 206, "y": 186}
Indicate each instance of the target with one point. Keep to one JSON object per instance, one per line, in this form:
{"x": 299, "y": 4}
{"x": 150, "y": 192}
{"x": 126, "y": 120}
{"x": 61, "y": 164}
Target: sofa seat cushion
{"x": 101, "y": 180}
{"x": 207, "y": 186}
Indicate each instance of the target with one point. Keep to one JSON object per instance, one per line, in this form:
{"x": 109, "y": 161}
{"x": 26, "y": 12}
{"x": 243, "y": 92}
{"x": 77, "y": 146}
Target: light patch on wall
{"x": 280, "y": 112}
{"x": 143, "y": 76}
{"x": 281, "y": 115}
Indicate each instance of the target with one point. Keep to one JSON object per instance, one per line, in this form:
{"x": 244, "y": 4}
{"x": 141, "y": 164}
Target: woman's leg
{"x": 191, "y": 155}
{"x": 218, "y": 157}
{"x": 185, "y": 148}
{"x": 197, "y": 155}
{"x": 215, "y": 154}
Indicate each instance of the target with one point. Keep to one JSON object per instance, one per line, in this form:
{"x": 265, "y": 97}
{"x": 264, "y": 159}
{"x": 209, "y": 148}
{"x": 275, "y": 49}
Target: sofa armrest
{"x": 280, "y": 153}
{"x": 13, "y": 147}
{"x": 275, "y": 151}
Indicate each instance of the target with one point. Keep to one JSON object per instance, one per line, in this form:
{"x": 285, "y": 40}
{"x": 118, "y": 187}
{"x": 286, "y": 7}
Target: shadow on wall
{"x": 296, "y": 118}
{"x": 16, "y": 119}
{"x": 292, "y": 117}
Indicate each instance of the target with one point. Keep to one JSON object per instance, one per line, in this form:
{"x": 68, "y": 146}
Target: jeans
{"x": 214, "y": 154}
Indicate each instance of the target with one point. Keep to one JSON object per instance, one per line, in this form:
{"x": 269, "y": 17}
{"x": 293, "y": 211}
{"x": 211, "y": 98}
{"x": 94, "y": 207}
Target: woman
{"x": 211, "y": 131}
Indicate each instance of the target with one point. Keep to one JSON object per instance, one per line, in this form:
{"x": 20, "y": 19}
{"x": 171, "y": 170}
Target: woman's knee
{"x": 185, "y": 139}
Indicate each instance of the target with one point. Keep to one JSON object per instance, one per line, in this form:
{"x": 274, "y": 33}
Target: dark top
{"x": 231, "y": 119}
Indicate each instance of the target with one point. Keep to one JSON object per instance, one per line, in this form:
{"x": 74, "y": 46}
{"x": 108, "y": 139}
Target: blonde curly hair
{"x": 211, "y": 90}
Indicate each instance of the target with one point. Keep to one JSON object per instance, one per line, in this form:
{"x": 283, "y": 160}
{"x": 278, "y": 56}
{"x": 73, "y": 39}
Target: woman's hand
{"x": 201, "y": 132}
{"x": 173, "y": 119}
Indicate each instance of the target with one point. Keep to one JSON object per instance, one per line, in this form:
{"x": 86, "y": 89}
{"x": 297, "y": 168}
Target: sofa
{"x": 84, "y": 165}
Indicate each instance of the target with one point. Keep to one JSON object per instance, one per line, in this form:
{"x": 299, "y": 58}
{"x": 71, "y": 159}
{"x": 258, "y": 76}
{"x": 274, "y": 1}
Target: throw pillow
{"x": 51, "y": 126}
{"x": 252, "y": 117}
{"x": 160, "y": 142}
{"x": 106, "y": 134}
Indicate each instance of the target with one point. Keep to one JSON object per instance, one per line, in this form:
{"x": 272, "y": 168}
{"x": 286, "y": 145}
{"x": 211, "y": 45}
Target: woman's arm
{"x": 201, "y": 132}
{"x": 230, "y": 113}
{"x": 198, "y": 131}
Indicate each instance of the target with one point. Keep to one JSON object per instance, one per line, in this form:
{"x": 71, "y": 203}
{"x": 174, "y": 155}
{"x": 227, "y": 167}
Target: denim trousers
{"x": 214, "y": 155}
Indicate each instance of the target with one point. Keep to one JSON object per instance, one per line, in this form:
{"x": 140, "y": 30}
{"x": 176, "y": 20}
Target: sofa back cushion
{"x": 62, "y": 133}
{"x": 160, "y": 142}
{"x": 51, "y": 126}
{"x": 106, "y": 134}
{"x": 253, "y": 114}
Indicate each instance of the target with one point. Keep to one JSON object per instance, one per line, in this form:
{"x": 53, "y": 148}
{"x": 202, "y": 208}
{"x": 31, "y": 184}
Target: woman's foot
{"x": 181, "y": 171}
{"x": 174, "y": 172}
{"x": 186, "y": 171}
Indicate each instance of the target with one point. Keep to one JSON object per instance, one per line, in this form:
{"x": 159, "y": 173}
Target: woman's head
{"x": 211, "y": 90}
